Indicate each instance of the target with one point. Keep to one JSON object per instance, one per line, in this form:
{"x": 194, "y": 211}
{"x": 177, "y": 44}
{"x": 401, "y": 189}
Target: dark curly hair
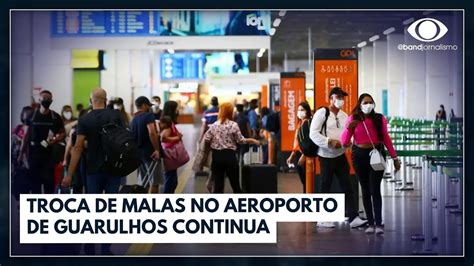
{"x": 376, "y": 117}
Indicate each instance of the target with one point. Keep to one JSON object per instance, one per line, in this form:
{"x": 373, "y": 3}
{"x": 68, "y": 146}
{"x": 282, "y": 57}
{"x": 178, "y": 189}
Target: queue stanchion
{"x": 460, "y": 194}
{"x": 404, "y": 169}
{"x": 310, "y": 171}
{"x": 427, "y": 215}
{"x": 441, "y": 210}
{"x": 395, "y": 178}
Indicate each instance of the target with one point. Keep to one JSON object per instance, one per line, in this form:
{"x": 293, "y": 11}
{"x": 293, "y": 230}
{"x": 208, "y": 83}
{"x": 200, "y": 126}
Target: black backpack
{"x": 307, "y": 146}
{"x": 120, "y": 150}
{"x": 273, "y": 122}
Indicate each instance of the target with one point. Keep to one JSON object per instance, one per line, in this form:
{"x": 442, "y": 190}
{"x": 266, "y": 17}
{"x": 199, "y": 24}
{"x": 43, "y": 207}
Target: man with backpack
{"x": 147, "y": 140}
{"x": 98, "y": 127}
{"x": 326, "y": 128}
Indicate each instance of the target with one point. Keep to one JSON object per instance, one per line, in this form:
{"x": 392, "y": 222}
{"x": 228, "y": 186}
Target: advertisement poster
{"x": 335, "y": 68}
{"x": 292, "y": 93}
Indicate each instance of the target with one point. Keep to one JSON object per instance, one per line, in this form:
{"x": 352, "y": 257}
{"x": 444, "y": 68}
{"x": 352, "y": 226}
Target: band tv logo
{"x": 427, "y": 30}
{"x": 253, "y": 20}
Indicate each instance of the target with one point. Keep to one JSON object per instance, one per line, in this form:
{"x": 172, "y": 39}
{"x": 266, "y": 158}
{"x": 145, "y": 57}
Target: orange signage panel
{"x": 336, "y": 68}
{"x": 292, "y": 88}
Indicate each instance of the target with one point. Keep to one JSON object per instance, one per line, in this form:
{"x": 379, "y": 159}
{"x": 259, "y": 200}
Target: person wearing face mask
{"x": 44, "y": 128}
{"x": 156, "y": 107}
{"x": 66, "y": 115}
{"x": 304, "y": 116}
{"x": 118, "y": 105}
{"x": 369, "y": 130}
{"x": 326, "y": 128}
{"x": 146, "y": 137}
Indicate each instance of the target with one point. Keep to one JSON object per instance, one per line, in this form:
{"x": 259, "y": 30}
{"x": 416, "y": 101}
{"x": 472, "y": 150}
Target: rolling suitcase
{"x": 258, "y": 177}
{"x": 146, "y": 182}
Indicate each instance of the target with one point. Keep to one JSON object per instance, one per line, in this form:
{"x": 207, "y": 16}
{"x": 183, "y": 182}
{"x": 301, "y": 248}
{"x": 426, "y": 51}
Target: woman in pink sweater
{"x": 369, "y": 129}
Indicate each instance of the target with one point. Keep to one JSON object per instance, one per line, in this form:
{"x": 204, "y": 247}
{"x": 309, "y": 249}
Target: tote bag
{"x": 377, "y": 161}
{"x": 176, "y": 155}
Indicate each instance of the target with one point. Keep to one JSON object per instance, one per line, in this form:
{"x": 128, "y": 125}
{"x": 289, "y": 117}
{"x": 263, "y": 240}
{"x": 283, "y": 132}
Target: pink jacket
{"x": 360, "y": 135}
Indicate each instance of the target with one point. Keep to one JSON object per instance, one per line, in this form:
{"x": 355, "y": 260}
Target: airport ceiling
{"x": 331, "y": 29}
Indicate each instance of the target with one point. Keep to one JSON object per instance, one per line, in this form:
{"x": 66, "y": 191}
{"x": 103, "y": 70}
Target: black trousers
{"x": 224, "y": 163}
{"x": 41, "y": 170}
{"x": 339, "y": 167}
{"x": 370, "y": 181}
{"x": 301, "y": 171}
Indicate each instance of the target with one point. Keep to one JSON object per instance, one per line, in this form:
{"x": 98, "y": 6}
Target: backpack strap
{"x": 324, "y": 126}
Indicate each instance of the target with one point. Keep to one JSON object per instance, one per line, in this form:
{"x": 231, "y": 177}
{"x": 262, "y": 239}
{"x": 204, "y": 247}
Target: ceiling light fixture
{"x": 362, "y": 44}
{"x": 389, "y": 30}
{"x": 408, "y": 21}
{"x": 276, "y": 22}
{"x": 374, "y": 38}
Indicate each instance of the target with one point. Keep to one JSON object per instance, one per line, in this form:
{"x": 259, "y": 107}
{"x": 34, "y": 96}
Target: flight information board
{"x": 182, "y": 66}
{"x": 159, "y": 23}
{"x": 104, "y": 23}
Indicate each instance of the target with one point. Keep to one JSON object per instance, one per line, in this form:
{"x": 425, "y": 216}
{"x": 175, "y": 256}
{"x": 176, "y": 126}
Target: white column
{"x": 21, "y": 63}
{"x": 367, "y": 54}
{"x": 457, "y": 64}
{"x": 415, "y": 81}
{"x": 379, "y": 72}
{"x": 51, "y": 68}
{"x": 439, "y": 75}
{"x": 108, "y": 80}
{"x": 123, "y": 77}
{"x": 395, "y": 75}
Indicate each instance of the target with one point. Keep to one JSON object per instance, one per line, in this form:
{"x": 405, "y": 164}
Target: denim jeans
{"x": 98, "y": 184}
{"x": 171, "y": 181}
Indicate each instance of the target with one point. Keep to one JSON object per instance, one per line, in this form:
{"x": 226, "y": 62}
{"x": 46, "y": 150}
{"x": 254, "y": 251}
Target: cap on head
{"x": 338, "y": 91}
{"x": 140, "y": 101}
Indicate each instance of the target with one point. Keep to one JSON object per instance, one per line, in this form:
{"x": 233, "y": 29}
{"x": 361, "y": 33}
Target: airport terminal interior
{"x": 278, "y": 58}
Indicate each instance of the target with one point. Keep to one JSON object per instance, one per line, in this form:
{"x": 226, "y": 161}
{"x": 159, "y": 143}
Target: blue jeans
{"x": 98, "y": 184}
{"x": 171, "y": 181}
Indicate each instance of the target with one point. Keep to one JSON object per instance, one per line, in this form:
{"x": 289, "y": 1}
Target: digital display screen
{"x": 227, "y": 63}
{"x": 159, "y": 23}
{"x": 182, "y": 66}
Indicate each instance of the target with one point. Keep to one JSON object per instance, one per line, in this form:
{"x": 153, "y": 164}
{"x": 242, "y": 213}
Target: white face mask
{"x": 301, "y": 114}
{"x": 117, "y": 107}
{"x": 67, "y": 115}
{"x": 367, "y": 108}
{"x": 338, "y": 103}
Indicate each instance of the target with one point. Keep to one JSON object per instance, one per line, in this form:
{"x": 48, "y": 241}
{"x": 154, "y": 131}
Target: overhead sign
{"x": 182, "y": 66}
{"x": 292, "y": 86}
{"x": 159, "y": 23}
{"x": 335, "y": 68}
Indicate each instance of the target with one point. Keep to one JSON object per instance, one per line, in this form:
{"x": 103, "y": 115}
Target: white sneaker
{"x": 370, "y": 230}
{"x": 356, "y": 222}
{"x": 379, "y": 230}
{"x": 326, "y": 225}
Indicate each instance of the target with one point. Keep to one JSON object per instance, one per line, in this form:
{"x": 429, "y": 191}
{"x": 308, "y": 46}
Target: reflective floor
{"x": 402, "y": 217}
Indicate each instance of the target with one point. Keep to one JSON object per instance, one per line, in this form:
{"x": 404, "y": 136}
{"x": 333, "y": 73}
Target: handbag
{"x": 175, "y": 156}
{"x": 377, "y": 161}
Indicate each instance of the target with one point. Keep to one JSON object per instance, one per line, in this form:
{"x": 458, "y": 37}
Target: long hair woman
{"x": 304, "y": 115}
{"x": 169, "y": 137}
{"x": 224, "y": 135}
{"x": 369, "y": 130}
